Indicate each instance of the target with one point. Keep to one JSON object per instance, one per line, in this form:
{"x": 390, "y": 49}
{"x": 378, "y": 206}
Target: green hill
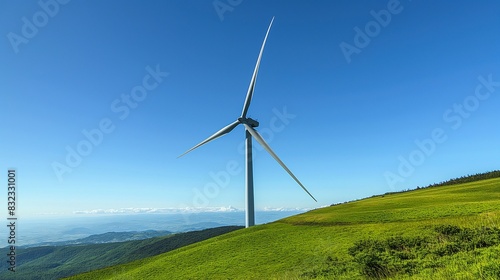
{"x": 446, "y": 232}
{"x": 53, "y": 262}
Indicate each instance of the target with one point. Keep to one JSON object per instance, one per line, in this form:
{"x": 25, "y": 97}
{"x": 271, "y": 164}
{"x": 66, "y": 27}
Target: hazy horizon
{"x": 33, "y": 230}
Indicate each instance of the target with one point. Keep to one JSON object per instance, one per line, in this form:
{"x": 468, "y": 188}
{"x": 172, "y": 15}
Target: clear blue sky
{"x": 359, "y": 101}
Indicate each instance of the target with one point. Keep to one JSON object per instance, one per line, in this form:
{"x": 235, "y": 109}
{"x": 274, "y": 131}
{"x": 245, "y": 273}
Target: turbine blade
{"x": 216, "y": 135}
{"x": 261, "y": 140}
{"x": 251, "y": 87}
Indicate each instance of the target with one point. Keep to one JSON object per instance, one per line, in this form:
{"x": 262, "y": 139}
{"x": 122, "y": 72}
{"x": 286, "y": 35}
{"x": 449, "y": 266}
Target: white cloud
{"x": 158, "y": 210}
{"x": 283, "y": 209}
{"x": 183, "y": 210}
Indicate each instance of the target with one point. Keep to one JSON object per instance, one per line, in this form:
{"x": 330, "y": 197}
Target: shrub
{"x": 408, "y": 255}
{"x": 492, "y": 271}
{"x": 447, "y": 229}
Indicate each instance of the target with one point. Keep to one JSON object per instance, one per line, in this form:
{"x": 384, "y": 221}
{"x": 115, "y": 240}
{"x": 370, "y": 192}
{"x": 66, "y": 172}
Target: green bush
{"x": 447, "y": 229}
{"x": 492, "y": 271}
{"x": 408, "y": 255}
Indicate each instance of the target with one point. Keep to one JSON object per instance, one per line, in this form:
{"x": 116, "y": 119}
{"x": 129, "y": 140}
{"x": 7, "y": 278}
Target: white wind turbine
{"x": 249, "y": 132}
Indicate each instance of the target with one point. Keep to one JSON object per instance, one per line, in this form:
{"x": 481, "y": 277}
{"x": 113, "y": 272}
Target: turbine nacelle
{"x": 249, "y": 121}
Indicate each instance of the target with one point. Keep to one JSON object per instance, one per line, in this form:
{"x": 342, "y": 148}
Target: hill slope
{"x": 53, "y": 262}
{"x": 446, "y": 232}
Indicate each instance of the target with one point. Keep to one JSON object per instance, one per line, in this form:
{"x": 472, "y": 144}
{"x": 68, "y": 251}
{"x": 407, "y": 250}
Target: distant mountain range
{"x": 47, "y": 230}
{"x": 107, "y": 237}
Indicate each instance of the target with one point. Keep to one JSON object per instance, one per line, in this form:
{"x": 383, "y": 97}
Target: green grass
{"x": 448, "y": 232}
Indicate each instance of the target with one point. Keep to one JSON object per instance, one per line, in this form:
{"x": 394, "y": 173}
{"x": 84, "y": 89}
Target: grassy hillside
{"x": 53, "y": 262}
{"x": 448, "y": 232}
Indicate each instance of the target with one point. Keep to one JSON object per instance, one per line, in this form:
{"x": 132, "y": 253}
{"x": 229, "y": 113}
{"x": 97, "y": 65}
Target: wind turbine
{"x": 250, "y": 132}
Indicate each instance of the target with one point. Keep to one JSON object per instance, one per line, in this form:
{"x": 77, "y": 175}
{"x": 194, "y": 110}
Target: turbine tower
{"x": 250, "y": 132}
